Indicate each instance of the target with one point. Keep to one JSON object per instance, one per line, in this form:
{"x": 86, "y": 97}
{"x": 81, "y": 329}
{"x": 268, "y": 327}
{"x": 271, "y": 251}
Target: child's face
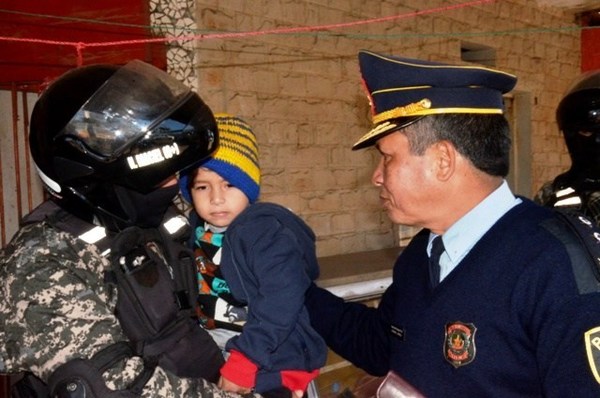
{"x": 215, "y": 199}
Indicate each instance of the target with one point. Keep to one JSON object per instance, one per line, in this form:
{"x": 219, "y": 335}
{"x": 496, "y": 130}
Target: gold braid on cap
{"x": 403, "y": 111}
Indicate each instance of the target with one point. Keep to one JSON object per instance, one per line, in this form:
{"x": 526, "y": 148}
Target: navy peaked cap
{"x": 402, "y": 90}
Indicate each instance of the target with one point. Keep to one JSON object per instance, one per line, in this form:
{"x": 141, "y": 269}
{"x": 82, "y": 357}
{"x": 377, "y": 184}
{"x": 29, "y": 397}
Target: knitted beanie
{"x": 236, "y": 158}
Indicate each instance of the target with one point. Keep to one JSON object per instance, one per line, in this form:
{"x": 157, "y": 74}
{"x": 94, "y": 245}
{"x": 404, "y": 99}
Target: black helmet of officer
{"x": 578, "y": 117}
{"x": 104, "y": 140}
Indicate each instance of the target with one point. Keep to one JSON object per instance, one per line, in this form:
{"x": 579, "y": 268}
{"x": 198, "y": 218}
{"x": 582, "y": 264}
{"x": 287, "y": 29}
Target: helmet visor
{"x": 127, "y": 106}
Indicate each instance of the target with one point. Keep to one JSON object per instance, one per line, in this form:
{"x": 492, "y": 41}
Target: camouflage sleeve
{"x": 55, "y": 306}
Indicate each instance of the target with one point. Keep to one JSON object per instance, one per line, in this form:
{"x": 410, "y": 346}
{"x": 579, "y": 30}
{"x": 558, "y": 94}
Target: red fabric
{"x": 297, "y": 380}
{"x": 239, "y": 370}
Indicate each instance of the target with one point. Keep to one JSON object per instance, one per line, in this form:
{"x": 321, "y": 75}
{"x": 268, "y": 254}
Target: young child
{"x": 258, "y": 255}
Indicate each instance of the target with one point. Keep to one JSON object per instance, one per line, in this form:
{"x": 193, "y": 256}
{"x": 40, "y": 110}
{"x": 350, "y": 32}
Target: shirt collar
{"x": 463, "y": 234}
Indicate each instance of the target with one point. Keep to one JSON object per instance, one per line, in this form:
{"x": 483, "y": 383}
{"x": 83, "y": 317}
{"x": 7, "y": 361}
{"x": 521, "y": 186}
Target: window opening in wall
{"x": 478, "y": 53}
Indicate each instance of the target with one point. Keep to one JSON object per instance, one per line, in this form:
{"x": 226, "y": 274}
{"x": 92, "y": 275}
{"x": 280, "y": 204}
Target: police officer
{"x": 96, "y": 290}
{"x": 578, "y": 117}
{"x": 495, "y": 296}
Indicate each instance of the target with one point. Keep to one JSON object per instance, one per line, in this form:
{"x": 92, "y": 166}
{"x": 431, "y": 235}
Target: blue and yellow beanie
{"x": 236, "y": 158}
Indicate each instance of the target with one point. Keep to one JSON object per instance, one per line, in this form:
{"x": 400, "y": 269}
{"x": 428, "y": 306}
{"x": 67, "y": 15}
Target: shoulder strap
{"x": 62, "y": 220}
{"x": 581, "y": 238}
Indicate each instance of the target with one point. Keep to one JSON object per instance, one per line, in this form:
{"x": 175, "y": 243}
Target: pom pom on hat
{"x": 236, "y": 158}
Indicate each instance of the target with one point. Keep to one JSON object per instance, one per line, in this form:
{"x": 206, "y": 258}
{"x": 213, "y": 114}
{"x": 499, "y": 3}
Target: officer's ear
{"x": 445, "y": 156}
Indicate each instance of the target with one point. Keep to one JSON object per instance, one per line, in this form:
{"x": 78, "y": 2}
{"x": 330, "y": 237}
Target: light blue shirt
{"x": 460, "y": 238}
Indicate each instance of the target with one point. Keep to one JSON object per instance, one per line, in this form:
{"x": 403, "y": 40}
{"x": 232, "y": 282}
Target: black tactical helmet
{"x": 578, "y": 117}
{"x": 101, "y": 129}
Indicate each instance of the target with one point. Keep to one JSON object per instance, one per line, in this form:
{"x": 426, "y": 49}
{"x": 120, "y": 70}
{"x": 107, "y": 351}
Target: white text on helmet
{"x": 154, "y": 156}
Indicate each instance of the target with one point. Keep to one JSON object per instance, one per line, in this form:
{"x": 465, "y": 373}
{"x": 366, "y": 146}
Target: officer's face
{"x": 407, "y": 182}
{"x": 215, "y": 199}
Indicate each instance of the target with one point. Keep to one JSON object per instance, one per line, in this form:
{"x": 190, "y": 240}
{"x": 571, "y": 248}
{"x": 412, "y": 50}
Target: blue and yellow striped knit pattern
{"x": 236, "y": 158}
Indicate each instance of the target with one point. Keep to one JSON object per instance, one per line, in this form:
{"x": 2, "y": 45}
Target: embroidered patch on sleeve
{"x": 592, "y": 347}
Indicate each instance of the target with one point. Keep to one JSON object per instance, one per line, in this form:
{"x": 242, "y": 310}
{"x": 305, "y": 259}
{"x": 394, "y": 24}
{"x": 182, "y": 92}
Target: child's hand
{"x": 297, "y": 394}
{"x": 228, "y": 385}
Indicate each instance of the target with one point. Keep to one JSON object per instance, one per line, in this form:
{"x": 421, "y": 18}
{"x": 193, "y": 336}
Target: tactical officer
{"x": 96, "y": 287}
{"x": 578, "y": 117}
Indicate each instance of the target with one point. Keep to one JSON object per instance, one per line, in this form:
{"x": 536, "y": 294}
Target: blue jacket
{"x": 513, "y": 319}
{"x": 269, "y": 261}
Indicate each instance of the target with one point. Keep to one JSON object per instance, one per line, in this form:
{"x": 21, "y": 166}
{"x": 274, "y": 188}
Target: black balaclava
{"x": 146, "y": 210}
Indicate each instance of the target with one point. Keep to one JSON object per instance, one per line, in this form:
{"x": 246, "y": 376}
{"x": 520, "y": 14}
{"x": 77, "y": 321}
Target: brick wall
{"x": 301, "y": 91}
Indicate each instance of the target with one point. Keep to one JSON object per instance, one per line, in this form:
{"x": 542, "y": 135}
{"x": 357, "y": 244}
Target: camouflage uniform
{"x": 55, "y": 307}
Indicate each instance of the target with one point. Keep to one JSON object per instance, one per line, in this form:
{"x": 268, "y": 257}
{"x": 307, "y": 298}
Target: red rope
{"x": 80, "y": 46}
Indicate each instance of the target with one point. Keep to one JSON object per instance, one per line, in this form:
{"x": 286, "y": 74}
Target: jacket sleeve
{"x": 272, "y": 265}
{"x": 355, "y": 331}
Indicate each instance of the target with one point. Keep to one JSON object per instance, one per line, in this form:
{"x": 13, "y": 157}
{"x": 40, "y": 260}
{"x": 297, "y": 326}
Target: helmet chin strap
{"x": 146, "y": 210}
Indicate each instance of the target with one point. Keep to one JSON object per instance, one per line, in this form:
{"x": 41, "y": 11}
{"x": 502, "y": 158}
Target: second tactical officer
{"x": 578, "y": 117}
